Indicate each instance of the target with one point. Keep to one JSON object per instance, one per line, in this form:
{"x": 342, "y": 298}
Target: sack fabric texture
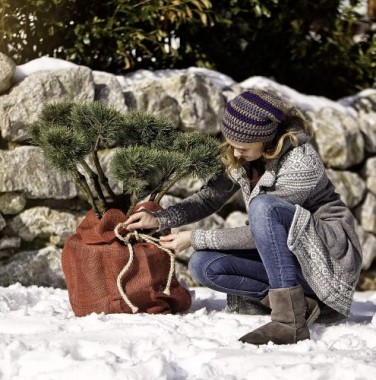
{"x": 93, "y": 258}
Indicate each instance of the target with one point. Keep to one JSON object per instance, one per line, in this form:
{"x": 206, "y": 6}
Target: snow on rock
{"x": 46, "y": 63}
{"x": 217, "y": 79}
{"x": 305, "y": 102}
{"x": 41, "y": 339}
{"x": 40, "y": 64}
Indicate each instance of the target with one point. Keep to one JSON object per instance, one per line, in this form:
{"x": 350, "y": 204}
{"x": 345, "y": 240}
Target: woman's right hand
{"x": 141, "y": 220}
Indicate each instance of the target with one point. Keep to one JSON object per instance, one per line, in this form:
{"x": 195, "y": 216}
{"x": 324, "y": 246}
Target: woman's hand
{"x": 141, "y": 220}
{"x": 177, "y": 242}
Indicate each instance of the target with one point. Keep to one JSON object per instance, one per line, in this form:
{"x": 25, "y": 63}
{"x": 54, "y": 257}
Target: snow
{"x": 305, "y": 102}
{"x": 41, "y": 339}
{"x": 46, "y": 63}
{"x": 218, "y": 80}
{"x": 40, "y": 64}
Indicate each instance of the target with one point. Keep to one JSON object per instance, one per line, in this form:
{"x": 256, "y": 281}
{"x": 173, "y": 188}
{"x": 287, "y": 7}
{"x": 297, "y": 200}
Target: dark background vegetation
{"x": 320, "y": 47}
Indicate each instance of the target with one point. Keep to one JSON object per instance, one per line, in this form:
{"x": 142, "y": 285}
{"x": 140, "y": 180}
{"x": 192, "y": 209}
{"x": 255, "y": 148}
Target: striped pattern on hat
{"x": 253, "y": 116}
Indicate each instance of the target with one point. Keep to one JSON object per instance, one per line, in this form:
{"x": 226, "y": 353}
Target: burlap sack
{"x": 93, "y": 258}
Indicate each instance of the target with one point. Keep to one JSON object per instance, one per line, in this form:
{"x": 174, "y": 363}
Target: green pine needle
{"x": 146, "y": 129}
{"x": 136, "y": 187}
{"x": 64, "y": 148}
{"x": 99, "y": 122}
{"x": 34, "y": 132}
{"x": 153, "y": 156}
{"x": 56, "y": 113}
{"x": 152, "y": 166}
{"x": 203, "y": 154}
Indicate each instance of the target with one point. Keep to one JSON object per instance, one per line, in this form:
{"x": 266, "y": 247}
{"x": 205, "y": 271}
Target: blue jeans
{"x": 252, "y": 273}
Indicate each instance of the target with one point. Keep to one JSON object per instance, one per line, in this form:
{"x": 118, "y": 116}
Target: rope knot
{"x": 129, "y": 237}
{"x": 135, "y": 235}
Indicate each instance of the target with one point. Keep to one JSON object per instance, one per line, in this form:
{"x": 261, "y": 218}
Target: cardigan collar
{"x": 268, "y": 178}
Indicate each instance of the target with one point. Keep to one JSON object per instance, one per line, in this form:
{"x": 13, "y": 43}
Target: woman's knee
{"x": 197, "y": 265}
{"x": 259, "y": 209}
{"x": 263, "y": 207}
{"x": 260, "y": 203}
{"x": 206, "y": 266}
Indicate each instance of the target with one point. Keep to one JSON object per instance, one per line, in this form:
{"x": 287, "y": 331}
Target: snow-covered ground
{"x": 41, "y": 339}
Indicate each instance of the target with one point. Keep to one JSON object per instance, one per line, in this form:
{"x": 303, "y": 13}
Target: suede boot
{"x": 248, "y": 306}
{"x": 288, "y": 316}
{"x": 312, "y": 308}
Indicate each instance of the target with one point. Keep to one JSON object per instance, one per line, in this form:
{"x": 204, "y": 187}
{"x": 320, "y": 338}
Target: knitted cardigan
{"x": 322, "y": 234}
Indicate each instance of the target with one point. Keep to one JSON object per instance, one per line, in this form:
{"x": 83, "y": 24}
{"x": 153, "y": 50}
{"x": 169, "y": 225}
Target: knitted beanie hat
{"x": 253, "y": 116}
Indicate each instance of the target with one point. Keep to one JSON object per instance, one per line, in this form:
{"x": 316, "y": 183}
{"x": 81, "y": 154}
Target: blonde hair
{"x": 294, "y": 123}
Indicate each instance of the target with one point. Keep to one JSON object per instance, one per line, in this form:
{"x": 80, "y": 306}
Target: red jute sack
{"x": 104, "y": 274}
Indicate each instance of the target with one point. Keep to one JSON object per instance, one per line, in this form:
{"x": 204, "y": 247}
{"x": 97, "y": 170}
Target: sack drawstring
{"x": 149, "y": 239}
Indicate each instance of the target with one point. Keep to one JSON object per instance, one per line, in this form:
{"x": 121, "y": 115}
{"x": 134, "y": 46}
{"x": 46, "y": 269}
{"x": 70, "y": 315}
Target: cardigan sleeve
{"x": 223, "y": 238}
{"x": 209, "y": 199}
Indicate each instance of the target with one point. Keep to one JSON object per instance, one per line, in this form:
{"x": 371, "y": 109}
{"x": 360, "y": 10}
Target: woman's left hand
{"x": 177, "y": 242}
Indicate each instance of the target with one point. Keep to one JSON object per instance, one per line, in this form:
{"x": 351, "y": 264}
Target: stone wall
{"x": 40, "y": 208}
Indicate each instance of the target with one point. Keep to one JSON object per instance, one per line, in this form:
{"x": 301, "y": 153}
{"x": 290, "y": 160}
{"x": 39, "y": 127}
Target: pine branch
{"x": 171, "y": 176}
{"x": 155, "y": 192}
{"x": 102, "y": 206}
{"x": 57, "y": 113}
{"x": 134, "y": 193}
{"x": 145, "y": 170}
{"x": 202, "y": 152}
{"x": 82, "y": 184}
{"x": 169, "y": 184}
{"x": 134, "y": 201}
{"x": 136, "y": 168}
{"x": 99, "y": 120}
{"x": 102, "y": 177}
{"x": 148, "y": 130}
{"x": 155, "y": 155}
{"x": 33, "y": 130}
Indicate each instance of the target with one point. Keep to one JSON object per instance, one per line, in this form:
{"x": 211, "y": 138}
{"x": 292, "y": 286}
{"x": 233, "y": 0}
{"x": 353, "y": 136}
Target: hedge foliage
{"x": 305, "y": 44}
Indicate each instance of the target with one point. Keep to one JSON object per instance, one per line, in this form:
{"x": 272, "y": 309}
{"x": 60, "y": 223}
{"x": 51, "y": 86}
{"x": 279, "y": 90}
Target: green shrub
{"x": 106, "y": 34}
{"x": 151, "y": 155}
{"x": 305, "y": 44}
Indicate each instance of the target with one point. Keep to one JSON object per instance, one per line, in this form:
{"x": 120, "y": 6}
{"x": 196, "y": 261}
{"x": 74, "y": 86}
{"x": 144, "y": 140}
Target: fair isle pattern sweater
{"x": 322, "y": 234}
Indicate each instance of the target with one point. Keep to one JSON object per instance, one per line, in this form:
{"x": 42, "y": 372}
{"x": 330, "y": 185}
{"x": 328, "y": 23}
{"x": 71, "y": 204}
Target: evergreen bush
{"x": 151, "y": 154}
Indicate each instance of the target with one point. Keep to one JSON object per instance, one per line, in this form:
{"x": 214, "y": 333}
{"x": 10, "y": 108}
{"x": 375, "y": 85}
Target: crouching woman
{"x": 299, "y": 251}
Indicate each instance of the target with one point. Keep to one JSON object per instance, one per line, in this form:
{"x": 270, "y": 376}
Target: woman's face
{"x": 247, "y": 151}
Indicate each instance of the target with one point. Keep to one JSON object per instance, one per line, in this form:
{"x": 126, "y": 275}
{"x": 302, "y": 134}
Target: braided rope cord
{"x": 149, "y": 239}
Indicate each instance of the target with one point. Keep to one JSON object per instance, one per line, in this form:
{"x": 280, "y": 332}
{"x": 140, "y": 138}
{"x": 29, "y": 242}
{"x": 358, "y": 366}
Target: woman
{"x": 300, "y": 248}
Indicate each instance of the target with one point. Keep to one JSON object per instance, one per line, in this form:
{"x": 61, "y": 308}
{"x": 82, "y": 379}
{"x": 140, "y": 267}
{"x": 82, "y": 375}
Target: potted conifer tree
{"x": 151, "y": 155}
